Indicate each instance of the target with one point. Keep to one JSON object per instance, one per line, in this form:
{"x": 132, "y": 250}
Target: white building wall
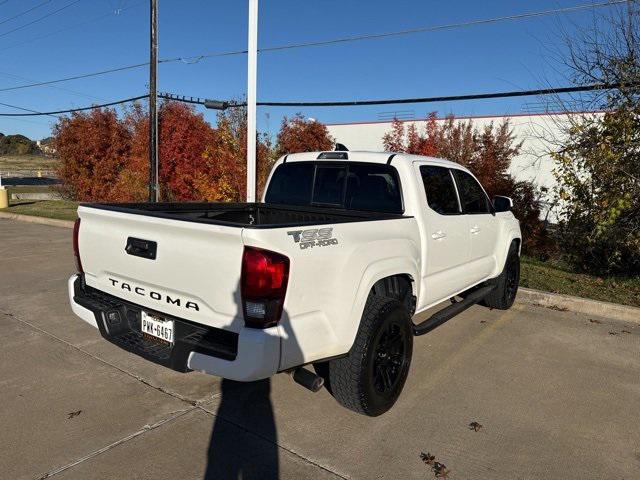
{"x": 539, "y": 133}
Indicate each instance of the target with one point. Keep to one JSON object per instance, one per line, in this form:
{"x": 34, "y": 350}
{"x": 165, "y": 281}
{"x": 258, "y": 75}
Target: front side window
{"x": 472, "y": 196}
{"x": 440, "y": 190}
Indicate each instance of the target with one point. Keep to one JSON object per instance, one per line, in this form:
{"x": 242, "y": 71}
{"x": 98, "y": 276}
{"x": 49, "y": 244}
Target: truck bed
{"x": 246, "y": 215}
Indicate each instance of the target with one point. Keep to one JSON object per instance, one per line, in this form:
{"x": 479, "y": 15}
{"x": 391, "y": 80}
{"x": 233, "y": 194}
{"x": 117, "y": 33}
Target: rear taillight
{"x": 76, "y": 250}
{"x": 263, "y": 286}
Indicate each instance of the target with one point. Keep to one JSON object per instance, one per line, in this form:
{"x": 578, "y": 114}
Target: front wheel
{"x": 370, "y": 378}
{"x": 503, "y": 296}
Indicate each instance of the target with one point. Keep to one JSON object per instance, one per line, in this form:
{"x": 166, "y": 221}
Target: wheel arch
{"x": 511, "y": 237}
{"x": 382, "y": 276}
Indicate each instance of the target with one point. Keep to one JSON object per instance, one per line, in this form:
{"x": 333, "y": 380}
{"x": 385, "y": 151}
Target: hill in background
{"x": 18, "y": 145}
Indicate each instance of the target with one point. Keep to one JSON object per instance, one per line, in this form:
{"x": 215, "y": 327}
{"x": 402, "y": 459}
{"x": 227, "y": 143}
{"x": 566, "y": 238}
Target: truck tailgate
{"x": 195, "y": 274}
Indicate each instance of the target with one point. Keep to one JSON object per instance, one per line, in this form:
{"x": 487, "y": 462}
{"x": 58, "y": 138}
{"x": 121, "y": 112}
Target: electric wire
{"x": 18, "y": 15}
{"x": 26, "y": 109}
{"x": 352, "y": 103}
{"x": 449, "y": 26}
{"x": 72, "y": 110}
{"x": 39, "y": 18}
{"x": 73, "y": 26}
{"x": 197, "y": 58}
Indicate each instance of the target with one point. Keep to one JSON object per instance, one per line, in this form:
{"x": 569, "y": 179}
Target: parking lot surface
{"x": 551, "y": 394}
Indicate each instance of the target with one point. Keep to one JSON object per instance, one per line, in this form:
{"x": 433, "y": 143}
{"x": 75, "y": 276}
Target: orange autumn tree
{"x": 94, "y": 148}
{"x": 105, "y": 157}
{"x": 299, "y": 134}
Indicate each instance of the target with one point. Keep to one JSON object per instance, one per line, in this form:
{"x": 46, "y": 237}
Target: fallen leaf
{"x": 441, "y": 470}
{"x": 475, "y": 426}
{"x": 427, "y": 458}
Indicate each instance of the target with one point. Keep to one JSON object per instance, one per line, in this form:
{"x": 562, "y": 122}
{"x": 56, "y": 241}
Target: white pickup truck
{"x": 328, "y": 271}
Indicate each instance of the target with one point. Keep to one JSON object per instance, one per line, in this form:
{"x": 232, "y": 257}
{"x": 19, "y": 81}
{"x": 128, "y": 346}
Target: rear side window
{"x": 440, "y": 190}
{"x": 472, "y": 196}
{"x": 373, "y": 187}
{"x": 356, "y": 186}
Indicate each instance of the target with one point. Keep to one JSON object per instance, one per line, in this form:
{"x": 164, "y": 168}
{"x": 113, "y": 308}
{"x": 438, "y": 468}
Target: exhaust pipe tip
{"x": 307, "y": 379}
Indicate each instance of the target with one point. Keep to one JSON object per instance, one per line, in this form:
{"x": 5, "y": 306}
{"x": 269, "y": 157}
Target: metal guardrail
{"x": 29, "y": 173}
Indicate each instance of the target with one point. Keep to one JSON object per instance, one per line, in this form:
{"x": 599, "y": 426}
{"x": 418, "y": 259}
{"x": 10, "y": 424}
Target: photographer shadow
{"x": 244, "y": 439}
{"x": 235, "y": 453}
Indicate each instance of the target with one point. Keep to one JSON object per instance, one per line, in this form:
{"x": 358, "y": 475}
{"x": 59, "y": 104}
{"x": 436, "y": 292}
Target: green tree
{"x": 598, "y": 165}
{"x": 598, "y": 173}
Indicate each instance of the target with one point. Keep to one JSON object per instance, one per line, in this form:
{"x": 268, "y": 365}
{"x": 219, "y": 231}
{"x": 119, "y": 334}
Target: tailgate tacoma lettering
{"x": 154, "y": 295}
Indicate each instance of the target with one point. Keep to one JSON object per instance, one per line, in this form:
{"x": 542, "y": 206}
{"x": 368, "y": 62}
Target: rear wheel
{"x": 503, "y": 296}
{"x": 369, "y": 380}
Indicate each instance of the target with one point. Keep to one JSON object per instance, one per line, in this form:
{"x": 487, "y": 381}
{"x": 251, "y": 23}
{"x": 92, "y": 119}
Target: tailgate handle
{"x": 141, "y": 248}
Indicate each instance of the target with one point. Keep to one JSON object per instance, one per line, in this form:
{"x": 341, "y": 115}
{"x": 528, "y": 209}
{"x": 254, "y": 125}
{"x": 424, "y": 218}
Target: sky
{"x": 94, "y": 35}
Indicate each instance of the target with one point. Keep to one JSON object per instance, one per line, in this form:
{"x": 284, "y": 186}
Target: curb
{"x": 41, "y": 220}
{"x": 557, "y": 301}
{"x": 529, "y": 296}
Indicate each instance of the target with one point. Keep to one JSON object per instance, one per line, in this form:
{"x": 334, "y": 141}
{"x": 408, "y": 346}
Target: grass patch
{"x": 558, "y": 278}
{"x": 27, "y": 162}
{"x": 58, "y": 209}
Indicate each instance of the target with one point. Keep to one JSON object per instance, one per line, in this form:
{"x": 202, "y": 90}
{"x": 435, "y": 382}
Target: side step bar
{"x": 451, "y": 311}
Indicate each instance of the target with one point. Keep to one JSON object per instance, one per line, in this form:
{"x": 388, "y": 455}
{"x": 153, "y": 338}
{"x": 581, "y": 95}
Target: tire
{"x": 503, "y": 296}
{"x": 370, "y": 378}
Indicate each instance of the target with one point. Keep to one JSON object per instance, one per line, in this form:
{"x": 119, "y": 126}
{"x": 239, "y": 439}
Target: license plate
{"x": 157, "y": 327}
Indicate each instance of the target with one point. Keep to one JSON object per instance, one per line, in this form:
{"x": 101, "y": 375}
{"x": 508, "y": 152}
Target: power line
{"x": 71, "y": 110}
{"x": 71, "y": 27}
{"x": 74, "y": 92}
{"x": 24, "y": 12}
{"x": 40, "y": 18}
{"x": 76, "y": 77}
{"x": 450, "y": 98}
{"x": 197, "y": 58}
{"x": 449, "y": 26}
{"x": 26, "y": 109}
{"x": 221, "y": 104}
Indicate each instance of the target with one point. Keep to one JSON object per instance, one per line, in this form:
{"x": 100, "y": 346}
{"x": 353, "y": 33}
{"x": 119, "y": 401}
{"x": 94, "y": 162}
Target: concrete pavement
{"x": 556, "y": 393}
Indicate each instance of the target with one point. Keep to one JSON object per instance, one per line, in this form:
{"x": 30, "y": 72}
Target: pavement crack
{"x": 147, "y": 428}
{"x": 190, "y": 401}
{"x": 277, "y": 444}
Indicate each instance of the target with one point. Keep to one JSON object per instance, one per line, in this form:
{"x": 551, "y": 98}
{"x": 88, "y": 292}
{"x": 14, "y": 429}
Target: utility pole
{"x": 252, "y": 68}
{"x": 153, "y": 106}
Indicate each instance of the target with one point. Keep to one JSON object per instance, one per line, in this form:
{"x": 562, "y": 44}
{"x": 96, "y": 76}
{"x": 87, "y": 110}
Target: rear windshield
{"x": 356, "y": 186}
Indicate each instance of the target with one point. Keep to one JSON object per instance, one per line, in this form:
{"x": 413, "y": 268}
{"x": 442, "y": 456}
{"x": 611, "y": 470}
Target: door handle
{"x": 438, "y": 235}
{"x": 475, "y": 229}
{"x": 141, "y": 248}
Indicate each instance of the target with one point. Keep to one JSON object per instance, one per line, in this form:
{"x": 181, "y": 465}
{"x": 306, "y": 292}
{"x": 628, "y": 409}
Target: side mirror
{"x": 502, "y": 204}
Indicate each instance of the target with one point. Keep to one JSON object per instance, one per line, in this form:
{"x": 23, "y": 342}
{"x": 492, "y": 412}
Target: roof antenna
{"x": 340, "y": 148}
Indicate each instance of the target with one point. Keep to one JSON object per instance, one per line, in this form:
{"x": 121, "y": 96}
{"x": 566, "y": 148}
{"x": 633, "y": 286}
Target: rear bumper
{"x": 248, "y": 355}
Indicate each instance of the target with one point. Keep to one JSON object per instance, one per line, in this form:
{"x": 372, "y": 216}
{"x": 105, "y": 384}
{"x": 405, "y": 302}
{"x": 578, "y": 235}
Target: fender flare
{"x": 374, "y": 272}
{"x": 511, "y": 236}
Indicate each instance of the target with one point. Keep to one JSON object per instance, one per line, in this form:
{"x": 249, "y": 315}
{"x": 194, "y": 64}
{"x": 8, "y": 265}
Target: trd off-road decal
{"x": 314, "y": 237}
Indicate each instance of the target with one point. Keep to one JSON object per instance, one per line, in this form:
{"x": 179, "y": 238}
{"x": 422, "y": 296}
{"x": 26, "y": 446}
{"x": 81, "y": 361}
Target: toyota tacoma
{"x": 322, "y": 279}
